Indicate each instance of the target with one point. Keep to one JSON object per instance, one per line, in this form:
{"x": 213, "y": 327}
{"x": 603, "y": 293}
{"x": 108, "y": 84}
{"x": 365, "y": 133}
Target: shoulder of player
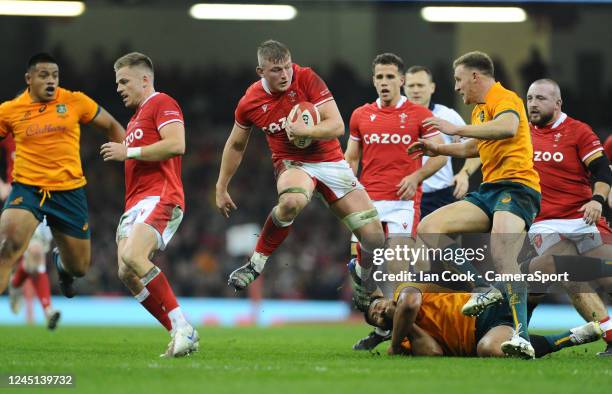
{"x": 367, "y": 107}
{"x": 161, "y": 98}
{"x": 252, "y": 94}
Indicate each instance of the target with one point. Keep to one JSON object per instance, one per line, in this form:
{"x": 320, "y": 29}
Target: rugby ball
{"x": 310, "y": 115}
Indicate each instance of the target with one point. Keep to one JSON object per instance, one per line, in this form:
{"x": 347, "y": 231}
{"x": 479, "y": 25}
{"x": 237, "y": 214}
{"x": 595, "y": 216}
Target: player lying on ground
{"x": 431, "y": 324}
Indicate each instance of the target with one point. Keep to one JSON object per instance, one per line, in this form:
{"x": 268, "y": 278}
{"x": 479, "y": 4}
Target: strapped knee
{"x": 299, "y": 190}
{"x": 357, "y": 220}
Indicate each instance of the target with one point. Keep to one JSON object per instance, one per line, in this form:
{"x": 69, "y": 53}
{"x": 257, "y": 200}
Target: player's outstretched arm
{"x": 230, "y": 161}
{"x": 462, "y": 178}
{"x": 426, "y": 147}
{"x": 330, "y": 127}
{"x": 109, "y": 125}
{"x": 353, "y": 154}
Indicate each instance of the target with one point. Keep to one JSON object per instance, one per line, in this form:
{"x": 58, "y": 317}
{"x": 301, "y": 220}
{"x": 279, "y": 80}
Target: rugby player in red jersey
{"x": 154, "y": 197}
{"x": 567, "y": 155}
{"x": 320, "y": 167}
{"x": 380, "y": 133}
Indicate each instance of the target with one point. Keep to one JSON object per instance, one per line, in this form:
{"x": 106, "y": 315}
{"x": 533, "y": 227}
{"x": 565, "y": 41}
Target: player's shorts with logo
{"x": 333, "y": 180}
{"x": 398, "y": 217}
{"x": 65, "y": 210}
{"x": 547, "y": 233}
{"x": 163, "y": 217}
{"x": 509, "y": 196}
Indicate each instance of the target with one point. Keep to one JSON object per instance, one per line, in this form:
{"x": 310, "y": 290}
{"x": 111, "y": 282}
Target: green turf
{"x": 313, "y": 359}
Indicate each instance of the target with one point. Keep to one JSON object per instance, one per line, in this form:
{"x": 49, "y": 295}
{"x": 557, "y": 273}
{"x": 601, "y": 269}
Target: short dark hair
{"x": 134, "y": 59}
{"x": 366, "y": 314}
{"x": 41, "y": 57}
{"x": 273, "y": 51}
{"x": 476, "y": 60}
{"x": 388, "y": 58}
{"x": 418, "y": 69}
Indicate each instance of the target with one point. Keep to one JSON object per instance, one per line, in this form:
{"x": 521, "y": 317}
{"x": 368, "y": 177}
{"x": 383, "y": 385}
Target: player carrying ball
{"x": 300, "y": 172}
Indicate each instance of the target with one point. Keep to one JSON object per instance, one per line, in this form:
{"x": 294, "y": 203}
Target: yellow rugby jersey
{"x": 510, "y": 159}
{"x": 440, "y": 316}
{"x": 47, "y": 138}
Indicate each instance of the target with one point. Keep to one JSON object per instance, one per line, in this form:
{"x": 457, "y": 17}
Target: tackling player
{"x": 154, "y": 197}
{"x": 508, "y": 199}
{"x": 33, "y": 264}
{"x": 320, "y": 167}
{"x": 427, "y": 321}
{"x": 566, "y": 154}
{"x": 442, "y": 188}
{"x": 380, "y": 133}
{"x": 48, "y": 177}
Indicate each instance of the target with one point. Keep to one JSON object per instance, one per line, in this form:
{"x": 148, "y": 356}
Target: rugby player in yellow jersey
{"x": 427, "y": 321}
{"x": 48, "y": 179}
{"x": 508, "y": 199}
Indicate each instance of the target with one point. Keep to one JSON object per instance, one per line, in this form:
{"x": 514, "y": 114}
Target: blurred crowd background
{"x": 210, "y": 64}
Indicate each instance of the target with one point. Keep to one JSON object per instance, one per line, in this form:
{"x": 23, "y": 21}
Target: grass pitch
{"x": 309, "y": 359}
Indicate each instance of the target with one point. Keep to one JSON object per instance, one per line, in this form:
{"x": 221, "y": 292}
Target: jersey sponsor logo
{"x": 277, "y": 126}
{"x": 387, "y": 138}
{"x": 132, "y": 136}
{"x": 35, "y": 129}
{"x": 539, "y": 155}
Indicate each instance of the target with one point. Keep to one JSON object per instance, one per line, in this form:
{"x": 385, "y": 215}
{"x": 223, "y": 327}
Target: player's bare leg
{"x": 507, "y": 237}
{"x": 460, "y": 217}
{"x": 16, "y": 229}
{"x": 295, "y": 188}
{"x": 134, "y": 252}
{"x": 360, "y": 216}
{"x": 72, "y": 258}
{"x": 594, "y": 302}
{"x": 139, "y": 291}
{"x": 34, "y": 263}
{"x": 490, "y": 344}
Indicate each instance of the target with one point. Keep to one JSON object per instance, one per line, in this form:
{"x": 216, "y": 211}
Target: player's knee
{"x": 131, "y": 256}
{"x": 489, "y": 348}
{"x": 289, "y": 206}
